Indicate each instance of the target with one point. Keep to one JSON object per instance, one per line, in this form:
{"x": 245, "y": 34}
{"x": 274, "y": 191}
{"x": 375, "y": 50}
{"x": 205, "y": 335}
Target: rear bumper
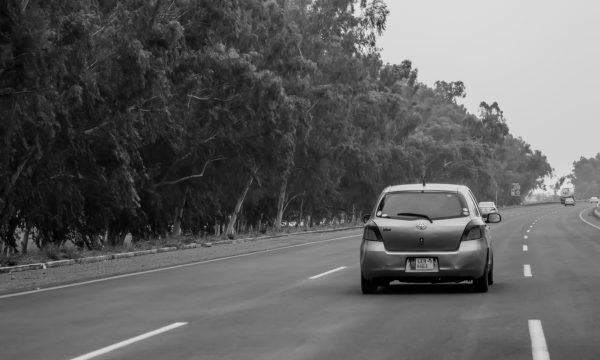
{"x": 466, "y": 263}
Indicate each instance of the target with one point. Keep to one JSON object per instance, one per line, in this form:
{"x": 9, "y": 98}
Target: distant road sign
{"x": 515, "y": 189}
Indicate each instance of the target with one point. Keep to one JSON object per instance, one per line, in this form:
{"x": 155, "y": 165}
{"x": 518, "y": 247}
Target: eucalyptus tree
{"x": 586, "y": 176}
{"x": 154, "y": 117}
{"x": 339, "y": 37}
{"x": 49, "y": 95}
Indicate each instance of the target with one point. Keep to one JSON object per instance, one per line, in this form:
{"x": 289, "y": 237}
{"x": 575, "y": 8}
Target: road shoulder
{"x": 56, "y": 276}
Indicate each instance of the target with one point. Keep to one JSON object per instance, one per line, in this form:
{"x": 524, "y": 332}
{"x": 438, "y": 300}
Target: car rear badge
{"x": 421, "y": 226}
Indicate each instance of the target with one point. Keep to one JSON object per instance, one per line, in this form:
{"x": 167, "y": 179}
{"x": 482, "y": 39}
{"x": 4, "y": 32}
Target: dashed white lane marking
{"x": 176, "y": 266}
{"x": 539, "y": 349}
{"x": 327, "y": 272}
{"x": 525, "y": 248}
{"x": 121, "y": 344}
{"x": 528, "y": 230}
{"x": 587, "y": 222}
{"x": 525, "y": 237}
{"x": 527, "y": 270}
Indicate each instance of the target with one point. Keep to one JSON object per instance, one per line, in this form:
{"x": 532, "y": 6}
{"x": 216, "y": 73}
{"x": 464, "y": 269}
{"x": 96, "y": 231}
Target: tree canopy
{"x": 586, "y": 177}
{"x": 158, "y": 117}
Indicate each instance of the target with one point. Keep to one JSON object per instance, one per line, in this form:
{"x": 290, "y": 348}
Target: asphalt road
{"x": 304, "y": 302}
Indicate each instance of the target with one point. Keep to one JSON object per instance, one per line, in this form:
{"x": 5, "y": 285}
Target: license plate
{"x": 424, "y": 264}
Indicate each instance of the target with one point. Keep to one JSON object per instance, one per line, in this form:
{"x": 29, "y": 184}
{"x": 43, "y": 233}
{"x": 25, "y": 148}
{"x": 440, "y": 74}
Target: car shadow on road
{"x": 397, "y": 288}
{"x": 404, "y": 289}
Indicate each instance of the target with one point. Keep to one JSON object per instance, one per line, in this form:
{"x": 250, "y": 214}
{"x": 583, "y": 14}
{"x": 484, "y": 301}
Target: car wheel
{"x": 367, "y": 286}
{"x": 491, "y": 276}
{"x": 481, "y": 284}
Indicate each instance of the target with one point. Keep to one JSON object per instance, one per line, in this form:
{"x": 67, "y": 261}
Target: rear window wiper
{"x": 416, "y": 215}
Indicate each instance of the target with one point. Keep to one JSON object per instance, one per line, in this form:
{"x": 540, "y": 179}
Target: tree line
{"x": 585, "y": 177}
{"x": 157, "y": 117}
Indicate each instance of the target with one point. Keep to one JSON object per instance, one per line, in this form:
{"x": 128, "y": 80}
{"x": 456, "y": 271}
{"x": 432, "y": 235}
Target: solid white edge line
{"x": 327, "y": 273}
{"x": 539, "y": 349}
{"x": 587, "y": 222}
{"x": 127, "y": 342}
{"x": 172, "y": 267}
{"x": 527, "y": 270}
{"x": 525, "y": 248}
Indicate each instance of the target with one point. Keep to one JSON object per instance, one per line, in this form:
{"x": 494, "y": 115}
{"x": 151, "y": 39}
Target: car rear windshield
{"x": 435, "y": 205}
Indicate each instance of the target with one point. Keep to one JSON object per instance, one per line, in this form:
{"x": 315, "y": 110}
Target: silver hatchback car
{"x": 427, "y": 233}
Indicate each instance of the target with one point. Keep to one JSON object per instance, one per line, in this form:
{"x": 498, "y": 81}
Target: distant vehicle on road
{"x": 426, "y": 233}
{"x": 569, "y": 201}
{"x": 566, "y": 192}
{"x": 487, "y": 207}
{"x": 594, "y": 200}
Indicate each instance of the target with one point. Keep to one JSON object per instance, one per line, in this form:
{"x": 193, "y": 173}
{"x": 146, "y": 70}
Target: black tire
{"x": 481, "y": 284}
{"x": 367, "y": 286}
{"x": 491, "y": 273}
{"x": 491, "y": 276}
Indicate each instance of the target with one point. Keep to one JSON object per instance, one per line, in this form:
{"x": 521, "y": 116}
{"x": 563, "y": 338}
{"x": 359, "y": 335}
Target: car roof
{"x": 427, "y": 187}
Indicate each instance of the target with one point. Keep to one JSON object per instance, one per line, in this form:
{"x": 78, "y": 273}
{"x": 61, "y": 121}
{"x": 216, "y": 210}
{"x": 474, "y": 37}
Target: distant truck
{"x": 566, "y": 192}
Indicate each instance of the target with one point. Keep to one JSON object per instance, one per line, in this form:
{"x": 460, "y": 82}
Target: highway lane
{"x": 567, "y": 279}
{"x": 266, "y": 306}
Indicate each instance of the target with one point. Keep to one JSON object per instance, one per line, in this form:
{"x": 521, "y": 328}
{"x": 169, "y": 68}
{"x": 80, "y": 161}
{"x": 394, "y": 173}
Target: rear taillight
{"x": 372, "y": 233}
{"x": 473, "y": 231}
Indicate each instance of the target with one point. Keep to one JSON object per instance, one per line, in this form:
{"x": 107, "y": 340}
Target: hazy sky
{"x": 540, "y": 60}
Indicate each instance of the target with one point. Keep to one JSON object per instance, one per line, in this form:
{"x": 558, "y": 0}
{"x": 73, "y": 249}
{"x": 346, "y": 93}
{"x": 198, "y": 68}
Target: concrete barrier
{"x": 9, "y": 269}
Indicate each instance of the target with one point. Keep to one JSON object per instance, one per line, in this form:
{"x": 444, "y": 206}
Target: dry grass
{"x": 70, "y": 251}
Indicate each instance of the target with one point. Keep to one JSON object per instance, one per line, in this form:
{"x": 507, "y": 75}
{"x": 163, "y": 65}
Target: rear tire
{"x": 367, "y": 286}
{"x": 491, "y": 277}
{"x": 481, "y": 284}
{"x": 491, "y": 272}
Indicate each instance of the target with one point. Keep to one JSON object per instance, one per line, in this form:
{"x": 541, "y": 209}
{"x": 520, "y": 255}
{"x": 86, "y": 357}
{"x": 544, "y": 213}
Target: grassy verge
{"x": 70, "y": 251}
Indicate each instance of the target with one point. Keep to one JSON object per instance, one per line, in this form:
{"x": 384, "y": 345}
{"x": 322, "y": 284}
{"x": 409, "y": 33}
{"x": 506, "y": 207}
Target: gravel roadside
{"x": 43, "y": 278}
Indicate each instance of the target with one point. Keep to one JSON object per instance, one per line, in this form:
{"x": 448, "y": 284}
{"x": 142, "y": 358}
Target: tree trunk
{"x": 25, "y": 240}
{"x": 281, "y": 203}
{"x": 300, "y": 212}
{"x": 10, "y": 244}
{"x": 179, "y": 215}
{"x": 238, "y": 206}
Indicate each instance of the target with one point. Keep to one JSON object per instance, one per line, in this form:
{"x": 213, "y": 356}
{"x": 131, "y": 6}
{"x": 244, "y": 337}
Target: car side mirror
{"x": 493, "y": 218}
{"x": 366, "y": 217}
